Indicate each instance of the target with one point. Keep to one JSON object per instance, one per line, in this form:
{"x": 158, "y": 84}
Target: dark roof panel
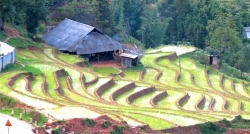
{"x": 73, "y": 36}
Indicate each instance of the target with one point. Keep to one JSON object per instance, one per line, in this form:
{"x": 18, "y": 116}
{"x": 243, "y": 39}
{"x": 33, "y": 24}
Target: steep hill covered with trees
{"x": 213, "y": 25}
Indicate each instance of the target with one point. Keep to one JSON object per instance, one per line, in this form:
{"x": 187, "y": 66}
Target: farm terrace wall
{"x": 104, "y": 87}
{"x": 140, "y": 93}
{"x": 158, "y": 97}
{"x": 201, "y": 103}
{"x": 122, "y": 90}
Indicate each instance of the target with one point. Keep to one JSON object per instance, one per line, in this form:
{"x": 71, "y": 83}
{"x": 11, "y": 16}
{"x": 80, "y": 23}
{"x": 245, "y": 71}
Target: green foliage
{"x": 36, "y": 116}
{"x": 139, "y": 67}
{"x": 201, "y": 56}
{"x": 106, "y": 70}
{"x": 41, "y": 28}
{"x": 32, "y": 70}
{"x": 226, "y": 122}
{"x": 233, "y": 72}
{"x": 25, "y": 60}
{"x": 153, "y": 27}
{"x": 58, "y": 122}
{"x": 106, "y": 124}
{"x": 3, "y": 35}
{"x": 35, "y": 12}
{"x": 237, "y": 122}
{"x": 8, "y": 67}
{"x": 7, "y": 101}
{"x": 104, "y": 16}
{"x": 132, "y": 12}
{"x": 90, "y": 122}
{"x": 132, "y": 40}
{"x": 223, "y": 36}
{"x": 56, "y": 131}
{"x": 211, "y": 128}
{"x": 118, "y": 130}
{"x": 22, "y": 42}
{"x": 26, "y": 115}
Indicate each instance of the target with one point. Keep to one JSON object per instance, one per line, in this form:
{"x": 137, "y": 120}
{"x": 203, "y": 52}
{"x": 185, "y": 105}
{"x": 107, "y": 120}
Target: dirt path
{"x": 11, "y": 33}
{"x": 178, "y": 49}
{"x": 18, "y": 126}
{"x": 7, "y": 39}
{"x": 113, "y": 63}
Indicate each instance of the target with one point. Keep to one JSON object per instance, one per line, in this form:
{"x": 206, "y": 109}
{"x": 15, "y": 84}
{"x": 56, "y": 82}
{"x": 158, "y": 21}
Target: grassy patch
{"x": 12, "y": 67}
{"x": 25, "y": 59}
{"x": 70, "y": 59}
{"x": 26, "y": 115}
{"x": 106, "y": 70}
{"x": 3, "y": 35}
{"x": 33, "y": 70}
{"x": 22, "y": 42}
{"x": 139, "y": 67}
{"x": 7, "y": 101}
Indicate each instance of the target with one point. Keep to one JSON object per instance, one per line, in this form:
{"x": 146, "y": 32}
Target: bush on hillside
{"x": 7, "y": 101}
{"x": 211, "y": 128}
{"x": 89, "y": 122}
{"x": 106, "y": 124}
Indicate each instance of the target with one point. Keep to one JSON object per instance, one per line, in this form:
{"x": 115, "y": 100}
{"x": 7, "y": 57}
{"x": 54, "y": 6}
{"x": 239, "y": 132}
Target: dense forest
{"x": 211, "y": 25}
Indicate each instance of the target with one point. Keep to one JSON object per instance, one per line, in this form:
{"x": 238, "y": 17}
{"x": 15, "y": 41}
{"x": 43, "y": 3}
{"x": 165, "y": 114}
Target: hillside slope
{"x": 157, "y": 93}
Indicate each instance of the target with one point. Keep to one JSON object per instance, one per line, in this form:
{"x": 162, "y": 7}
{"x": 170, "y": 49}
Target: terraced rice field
{"x": 161, "y": 96}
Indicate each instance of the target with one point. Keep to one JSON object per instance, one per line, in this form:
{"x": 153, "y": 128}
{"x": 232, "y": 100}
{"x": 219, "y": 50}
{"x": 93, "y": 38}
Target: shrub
{"x": 226, "y": 122}
{"x": 35, "y": 115}
{"x": 210, "y": 128}
{"x": 58, "y": 122}
{"x": 237, "y": 119}
{"x": 90, "y": 122}
{"x": 118, "y": 130}
{"x": 106, "y": 124}
{"x": 56, "y": 131}
{"x": 7, "y": 101}
{"x": 124, "y": 122}
{"x": 33, "y": 70}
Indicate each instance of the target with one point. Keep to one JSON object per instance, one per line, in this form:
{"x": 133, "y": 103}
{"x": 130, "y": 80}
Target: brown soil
{"x": 75, "y": 125}
{"x": 113, "y": 63}
{"x": 237, "y": 131}
{"x": 184, "y": 130}
{"x": 32, "y": 48}
{"x": 10, "y": 32}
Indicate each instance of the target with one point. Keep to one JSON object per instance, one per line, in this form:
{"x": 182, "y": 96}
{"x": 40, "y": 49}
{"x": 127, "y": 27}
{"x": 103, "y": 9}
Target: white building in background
{"x": 246, "y": 32}
{"x": 7, "y": 55}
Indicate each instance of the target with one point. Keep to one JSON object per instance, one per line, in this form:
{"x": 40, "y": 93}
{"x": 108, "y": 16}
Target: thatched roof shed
{"x": 76, "y": 37}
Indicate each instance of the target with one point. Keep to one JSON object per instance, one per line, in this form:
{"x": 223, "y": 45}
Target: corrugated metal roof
{"x": 128, "y": 55}
{"x": 5, "y": 48}
{"x": 247, "y": 29}
{"x": 76, "y": 37}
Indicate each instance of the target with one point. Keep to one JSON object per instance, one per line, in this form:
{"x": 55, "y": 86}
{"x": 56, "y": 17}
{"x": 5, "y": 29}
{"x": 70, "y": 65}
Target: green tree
{"x": 223, "y": 35}
{"x": 133, "y": 11}
{"x": 104, "y": 15}
{"x": 243, "y": 62}
{"x": 7, "y": 11}
{"x": 35, "y": 13}
{"x": 153, "y": 27}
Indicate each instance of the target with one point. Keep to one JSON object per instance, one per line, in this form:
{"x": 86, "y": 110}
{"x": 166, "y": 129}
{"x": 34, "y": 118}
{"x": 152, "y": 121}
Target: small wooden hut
{"x": 78, "y": 38}
{"x": 213, "y": 59}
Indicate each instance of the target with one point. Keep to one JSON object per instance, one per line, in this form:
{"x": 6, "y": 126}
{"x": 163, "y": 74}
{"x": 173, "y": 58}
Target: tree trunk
{"x": 3, "y": 21}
